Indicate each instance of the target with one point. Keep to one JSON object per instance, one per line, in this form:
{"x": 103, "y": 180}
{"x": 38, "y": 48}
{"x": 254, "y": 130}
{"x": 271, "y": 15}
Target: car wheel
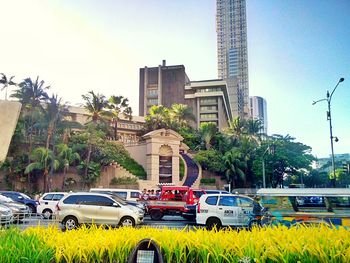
{"x": 213, "y": 223}
{"x": 32, "y": 209}
{"x": 127, "y": 221}
{"x": 156, "y": 214}
{"x": 47, "y": 213}
{"x": 70, "y": 223}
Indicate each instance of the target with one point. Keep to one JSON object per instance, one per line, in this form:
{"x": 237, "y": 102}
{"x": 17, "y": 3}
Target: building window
{"x": 209, "y": 108}
{"x": 209, "y": 115}
{"x": 208, "y": 101}
{"x": 152, "y": 102}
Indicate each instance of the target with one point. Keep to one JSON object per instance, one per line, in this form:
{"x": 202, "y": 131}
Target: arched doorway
{"x": 165, "y": 164}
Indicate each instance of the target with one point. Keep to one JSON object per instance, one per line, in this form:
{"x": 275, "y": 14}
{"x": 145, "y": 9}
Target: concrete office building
{"x": 210, "y": 102}
{"x": 166, "y": 85}
{"x": 232, "y": 53}
{"x": 162, "y": 85}
{"x": 259, "y": 110}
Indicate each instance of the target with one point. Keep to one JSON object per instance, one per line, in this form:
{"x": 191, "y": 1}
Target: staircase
{"x": 192, "y": 170}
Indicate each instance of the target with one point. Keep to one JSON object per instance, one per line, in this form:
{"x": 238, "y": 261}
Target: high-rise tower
{"x": 231, "y": 28}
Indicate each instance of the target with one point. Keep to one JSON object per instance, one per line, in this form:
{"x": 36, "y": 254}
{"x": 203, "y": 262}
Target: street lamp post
{"x": 329, "y": 117}
{"x": 271, "y": 149}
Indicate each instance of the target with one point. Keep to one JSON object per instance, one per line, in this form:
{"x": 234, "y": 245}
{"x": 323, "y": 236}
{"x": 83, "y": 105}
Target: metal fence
{"x": 26, "y": 220}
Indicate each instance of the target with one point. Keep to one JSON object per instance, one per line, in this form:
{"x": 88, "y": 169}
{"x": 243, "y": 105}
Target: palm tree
{"x": 157, "y": 118}
{"x": 181, "y": 114}
{"x": 42, "y": 160}
{"x": 207, "y": 132}
{"x": 67, "y": 157}
{"x": 6, "y": 83}
{"x": 96, "y": 105}
{"x": 31, "y": 94}
{"x": 254, "y": 128}
{"x": 54, "y": 114}
{"x": 234, "y": 166}
{"x": 119, "y": 105}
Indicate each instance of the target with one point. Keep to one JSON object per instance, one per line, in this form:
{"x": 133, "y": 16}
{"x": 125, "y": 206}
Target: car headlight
{"x": 136, "y": 210}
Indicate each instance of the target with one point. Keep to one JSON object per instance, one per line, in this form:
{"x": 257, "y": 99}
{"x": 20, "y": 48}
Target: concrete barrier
{"x": 9, "y": 113}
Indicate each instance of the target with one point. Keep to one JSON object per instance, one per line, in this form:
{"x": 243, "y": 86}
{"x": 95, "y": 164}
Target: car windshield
{"x": 119, "y": 199}
{"x": 25, "y": 196}
{"x": 5, "y": 199}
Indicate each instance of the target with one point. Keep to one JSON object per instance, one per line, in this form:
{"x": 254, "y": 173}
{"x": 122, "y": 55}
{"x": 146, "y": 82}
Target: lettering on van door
{"x": 229, "y": 213}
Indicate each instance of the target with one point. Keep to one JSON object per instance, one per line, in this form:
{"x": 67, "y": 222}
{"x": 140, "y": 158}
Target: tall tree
{"x": 119, "y": 105}
{"x": 31, "y": 94}
{"x": 284, "y": 158}
{"x": 6, "y": 82}
{"x": 207, "y": 132}
{"x": 67, "y": 157}
{"x": 96, "y": 105}
{"x": 236, "y": 128}
{"x": 42, "y": 159}
{"x": 181, "y": 115}
{"x": 235, "y": 167}
{"x": 157, "y": 118}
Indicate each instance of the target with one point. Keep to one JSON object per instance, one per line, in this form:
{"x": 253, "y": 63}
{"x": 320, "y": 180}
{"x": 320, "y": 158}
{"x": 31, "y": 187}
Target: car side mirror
{"x": 20, "y": 197}
{"x": 115, "y": 205}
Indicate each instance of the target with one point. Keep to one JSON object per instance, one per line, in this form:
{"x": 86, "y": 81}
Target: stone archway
{"x": 165, "y": 164}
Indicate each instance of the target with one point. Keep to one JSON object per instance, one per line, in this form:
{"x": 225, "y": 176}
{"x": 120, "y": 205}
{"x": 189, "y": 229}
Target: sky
{"x": 297, "y": 50}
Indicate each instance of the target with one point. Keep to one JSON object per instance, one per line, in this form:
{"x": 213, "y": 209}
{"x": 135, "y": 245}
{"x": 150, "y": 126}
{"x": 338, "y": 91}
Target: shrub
{"x": 210, "y": 160}
{"x": 208, "y": 181}
{"x": 124, "y": 180}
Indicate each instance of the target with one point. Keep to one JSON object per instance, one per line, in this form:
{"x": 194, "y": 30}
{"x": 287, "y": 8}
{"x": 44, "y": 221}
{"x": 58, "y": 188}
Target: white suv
{"x": 48, "y": 202}
{"x": 226, "y": 210}
{"x": 96, "y": 208}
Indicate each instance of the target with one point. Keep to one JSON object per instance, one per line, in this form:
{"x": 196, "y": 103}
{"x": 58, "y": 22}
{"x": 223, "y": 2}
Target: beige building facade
{"x": 158, "y": 153}
{"x": 210, "y": 102}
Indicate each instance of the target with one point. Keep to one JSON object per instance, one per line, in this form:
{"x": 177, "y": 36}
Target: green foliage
{"x": 288, "y": 158}
{"x": 105, "y": 152}
{"x": 210, "y": 160}
{"x": 191, "y": 137}
{"x": 207, "y": 132}
{"x": 124, "y": 180}
{"x": 208, "y": 181}
{"x": 176, "y": 118}
{"x": 19, "y": 247}
{"x": 182, "y": 168}
{"x": 93, "y": 172}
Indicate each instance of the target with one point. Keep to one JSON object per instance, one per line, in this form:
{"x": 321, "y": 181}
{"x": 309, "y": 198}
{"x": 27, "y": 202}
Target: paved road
{"x": 176, "y": 222}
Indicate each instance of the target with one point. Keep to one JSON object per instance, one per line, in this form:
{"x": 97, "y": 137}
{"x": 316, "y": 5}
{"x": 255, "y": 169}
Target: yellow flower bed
{"x": 277, "y": 244}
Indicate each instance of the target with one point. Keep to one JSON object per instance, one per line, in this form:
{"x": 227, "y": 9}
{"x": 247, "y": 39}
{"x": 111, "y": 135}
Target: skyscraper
{"x": 231, "y": 28}
{"x": 259, "y": 110}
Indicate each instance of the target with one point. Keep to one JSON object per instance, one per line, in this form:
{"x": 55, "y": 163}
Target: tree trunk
{"x": 87, "y": 164}
{"x": 115, "y": 130}
{"x": 45, "y": 180}
{"x": 64, "y": 178}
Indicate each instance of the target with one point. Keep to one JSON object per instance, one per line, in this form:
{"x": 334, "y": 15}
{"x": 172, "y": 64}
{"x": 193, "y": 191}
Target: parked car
{"x": 96, "y": 208}
{"x": 227, "y": 210}
{"x": 6, "y": 215}
{"x": 123, "y": 200}
{"x": 48, "y": 202}
{"x": 22, "y": 198}
{"x": 19, "y": 210}
{"x": 127, "y": 194}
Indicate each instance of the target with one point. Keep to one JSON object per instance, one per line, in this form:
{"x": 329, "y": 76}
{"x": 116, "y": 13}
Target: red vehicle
{"x": 174, "y": 200}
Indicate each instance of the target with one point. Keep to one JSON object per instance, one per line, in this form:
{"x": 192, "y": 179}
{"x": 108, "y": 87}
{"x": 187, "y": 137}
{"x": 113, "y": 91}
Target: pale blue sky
{"x": 297, "y": 50}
